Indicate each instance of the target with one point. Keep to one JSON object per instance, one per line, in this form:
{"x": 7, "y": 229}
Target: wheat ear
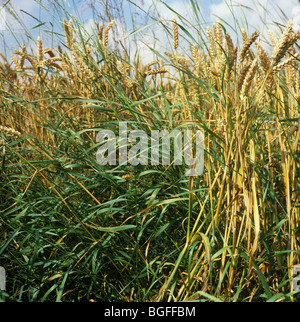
{"x": 39, "y": 49}
{"x": 9, "y": 130}
{"x": 249, "y": 77}
{"x": 106, "y": 32}
{"x": 247, "y": 44}
{"x": 286, "y": 63}
{"x": 283, "y": 44}
{"x": 160, "y": 70}
{"x": 175, "y": 34}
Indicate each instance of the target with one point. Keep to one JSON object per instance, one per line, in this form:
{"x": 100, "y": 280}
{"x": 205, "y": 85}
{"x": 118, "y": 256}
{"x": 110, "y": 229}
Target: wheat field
{"x": 72, "y": 230}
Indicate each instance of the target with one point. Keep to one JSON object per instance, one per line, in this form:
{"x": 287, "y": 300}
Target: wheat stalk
{"x": 175, "y": 34}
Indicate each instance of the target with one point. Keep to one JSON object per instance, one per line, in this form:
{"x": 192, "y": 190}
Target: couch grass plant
{"x": 73, "y": 230}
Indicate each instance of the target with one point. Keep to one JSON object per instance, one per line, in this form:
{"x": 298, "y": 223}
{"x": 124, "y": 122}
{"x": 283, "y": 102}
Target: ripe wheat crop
{"x": 150, "y": 233}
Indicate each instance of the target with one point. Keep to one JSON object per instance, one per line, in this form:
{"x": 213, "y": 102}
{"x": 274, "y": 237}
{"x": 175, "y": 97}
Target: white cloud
{"x": 250, "y": 14}
{"x": 255, "y": 15}
{"x": 90, "y": 26}
{"x": 25, "y": 8}
{"x": 162, "y": 11}
{"x": 156, "y": 36}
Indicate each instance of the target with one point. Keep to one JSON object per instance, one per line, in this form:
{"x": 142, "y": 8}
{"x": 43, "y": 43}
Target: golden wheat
{"x": 160, "y": 70}
{"x": 9, "y": 130}
{"x": 242, "y": 76}
{"x": 247, "y": 44}
{"x": 49, "y": 52}
{"x": 283, "y": 44}
{"x": 285, "y": 63}
{"x": 272, "y": 37}
{"x": 264, "y": 59}
{"x": 68, "y": 30}
{"x": 105, "y": 42}
{"x": 100, "y": 32}
{"x": 175, "y": 34}
{"x": 39, "y": 50}
{"x": 248, "y": 78}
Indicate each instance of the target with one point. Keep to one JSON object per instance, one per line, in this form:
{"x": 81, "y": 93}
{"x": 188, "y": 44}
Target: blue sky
{"x": 32, "y": 14}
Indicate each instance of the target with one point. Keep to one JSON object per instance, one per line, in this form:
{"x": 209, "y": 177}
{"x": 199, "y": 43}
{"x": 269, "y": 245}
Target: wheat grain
{"x": 113, "y": 60}
{"x": 272, "y": 37}
{"x": 214, "y": 71}
{"x": 175, "y": 34}
{"x": 48, "y": 51}
{"x": 51, "y": 60}
{"x": 3, "y": 58}
{"x": 249, "y": 77}
{"x": 297, "y": 83}
{"x": 68, "y": 33}
{"x": 199, "y": 61}
{"x": 106, "y": 33}
{"x": 221, "y": 126}
{"x": 16, "y": 62}
{"x": 22, "y": 54}
{"x": 264, "y": 59}
{"x": 230, "y": 46}
{"x": 231, "y": 55}
{"x": 39, "y": 49}
{"x": 242, "y": 76}
{"x": 286, "y": 63}
{"x": 100, "y": 32}
{"x": 218, "y": 32}
{"x": 294, "y": 37}
{"x": 244, "y": 35}
{"x": 212, "y": 48}
{"x": 160, "y": 70}
{"x": 147, "y": 67}
{"x": 290, "y": 75}
{"x": 247, "y": 44}
{"x": 184, "y": 61}
{"x": 283, "y": 44}
{"x": 127, "y": 176}
{"x": 9, "y": 130}
{"x": 210, "y": 35}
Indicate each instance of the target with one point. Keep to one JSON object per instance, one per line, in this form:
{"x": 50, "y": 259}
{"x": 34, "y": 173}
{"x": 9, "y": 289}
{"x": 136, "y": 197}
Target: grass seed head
{"x": 175, "y": 34}
{"x": 9, "y": 131}
{"x": 247, "y": 44}
{"x": 283, "y": 44}
{"x": 106, "y": 32}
